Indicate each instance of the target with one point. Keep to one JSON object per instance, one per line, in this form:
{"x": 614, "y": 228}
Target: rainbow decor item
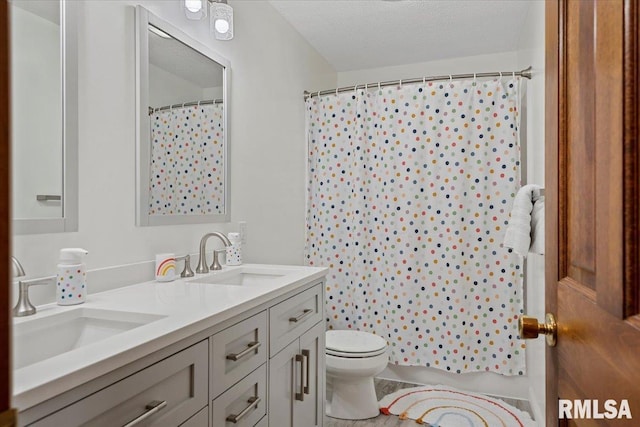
{"x": 442, "y": 406}
{"x": 165, "y": 267}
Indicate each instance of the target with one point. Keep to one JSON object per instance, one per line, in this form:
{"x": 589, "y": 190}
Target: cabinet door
{"x": 310, "y": 411}
{"x": 284, "y": 382}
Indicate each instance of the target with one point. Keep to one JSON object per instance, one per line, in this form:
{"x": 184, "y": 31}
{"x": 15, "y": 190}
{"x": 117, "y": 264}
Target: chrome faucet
{"x": 202, "y": 261}
{"x": 23, "y": 306}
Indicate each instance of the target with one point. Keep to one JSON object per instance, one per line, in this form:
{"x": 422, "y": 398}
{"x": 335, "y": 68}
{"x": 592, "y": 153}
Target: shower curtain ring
{"x": 450, "y": 78}
{"x": 400, "y": 81}
{"x": 500, "y": 74}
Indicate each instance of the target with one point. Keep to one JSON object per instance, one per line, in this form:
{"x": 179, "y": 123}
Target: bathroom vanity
{"x": 243, "y": 346}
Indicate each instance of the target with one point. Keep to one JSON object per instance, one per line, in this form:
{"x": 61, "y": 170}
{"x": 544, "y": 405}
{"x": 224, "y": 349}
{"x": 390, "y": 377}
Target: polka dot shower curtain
{"x": 187, "y": 161}
{"x": 409, "y": 193}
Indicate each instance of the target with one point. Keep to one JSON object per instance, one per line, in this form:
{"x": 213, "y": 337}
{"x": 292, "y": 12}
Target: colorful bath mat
{"x": 442, "y": 406}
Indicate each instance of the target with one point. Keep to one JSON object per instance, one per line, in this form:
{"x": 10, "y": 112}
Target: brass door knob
{"x": 530, "y": 328}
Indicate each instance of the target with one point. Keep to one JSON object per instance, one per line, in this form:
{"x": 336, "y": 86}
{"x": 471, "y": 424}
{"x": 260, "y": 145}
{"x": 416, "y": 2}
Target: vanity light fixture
{"x": 221, "y": 16}
{"x": 221, "y": 20}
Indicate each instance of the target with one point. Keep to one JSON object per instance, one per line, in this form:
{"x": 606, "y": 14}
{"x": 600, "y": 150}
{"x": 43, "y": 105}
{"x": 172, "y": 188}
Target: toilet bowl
{"x": 353, "y": 358}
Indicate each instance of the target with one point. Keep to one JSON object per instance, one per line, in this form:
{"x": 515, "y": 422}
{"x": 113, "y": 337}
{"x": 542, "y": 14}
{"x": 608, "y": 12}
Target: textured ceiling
{"x": 362, "y": 34}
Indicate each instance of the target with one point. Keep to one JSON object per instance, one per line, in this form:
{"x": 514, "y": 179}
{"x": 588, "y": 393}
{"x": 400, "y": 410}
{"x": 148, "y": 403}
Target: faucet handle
{"x": 23, "y": 306}
{"x": 186, "y": 271}
{"x": 215, "y": 265}
{"x": 17, "y": 269}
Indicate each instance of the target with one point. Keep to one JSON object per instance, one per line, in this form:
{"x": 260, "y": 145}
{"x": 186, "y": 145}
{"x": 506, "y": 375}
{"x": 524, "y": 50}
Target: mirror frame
{"x": 143, "y": 130}
{"x": 69, "y": 54}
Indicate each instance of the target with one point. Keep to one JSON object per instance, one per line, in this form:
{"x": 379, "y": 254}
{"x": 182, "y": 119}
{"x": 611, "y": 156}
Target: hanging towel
{"x": 525, "y": 232}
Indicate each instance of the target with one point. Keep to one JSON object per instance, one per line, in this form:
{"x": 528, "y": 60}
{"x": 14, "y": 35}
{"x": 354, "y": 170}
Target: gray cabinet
{"x": 296, "y": 365}
{"x": 262, "y": 368}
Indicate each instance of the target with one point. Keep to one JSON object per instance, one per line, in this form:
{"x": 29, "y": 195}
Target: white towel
{"x": 525, "y": 232}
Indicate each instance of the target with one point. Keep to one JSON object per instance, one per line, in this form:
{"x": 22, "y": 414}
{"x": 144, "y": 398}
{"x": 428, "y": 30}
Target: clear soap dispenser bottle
{"x": 71, "y": 283}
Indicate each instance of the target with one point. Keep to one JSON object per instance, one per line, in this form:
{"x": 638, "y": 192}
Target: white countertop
{"x": 189, "y": 308}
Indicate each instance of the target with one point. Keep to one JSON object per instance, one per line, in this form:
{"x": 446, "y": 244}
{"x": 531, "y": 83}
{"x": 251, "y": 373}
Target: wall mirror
{"x": 182, "y": 109}
{"x": 44, "y": 110}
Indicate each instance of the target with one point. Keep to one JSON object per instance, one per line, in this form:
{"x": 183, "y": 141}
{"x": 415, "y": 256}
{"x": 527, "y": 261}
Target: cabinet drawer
{"x": 237, "y": 351}
{"x": 292, "y": 317}
{"x": 179, "y": 380}
{"x": 201, "y": 419}
{"x": 245, "y": 401}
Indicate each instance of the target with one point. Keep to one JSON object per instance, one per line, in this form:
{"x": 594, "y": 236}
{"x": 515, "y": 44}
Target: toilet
{"x": 353, "y": 358}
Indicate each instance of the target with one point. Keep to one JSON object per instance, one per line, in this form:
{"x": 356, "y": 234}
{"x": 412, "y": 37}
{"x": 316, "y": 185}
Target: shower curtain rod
{"x": 185, "y": 104}
{"x": 526, "y": 73}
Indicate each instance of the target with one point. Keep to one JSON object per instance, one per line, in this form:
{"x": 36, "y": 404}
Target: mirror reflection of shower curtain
{"x": 187, "y": 161}
{"x": 409, "y": 192}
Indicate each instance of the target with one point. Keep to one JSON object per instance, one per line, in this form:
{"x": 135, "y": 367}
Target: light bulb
{"x": 195, "y": 9}
{"x": 193, "y": 5}
{"x": 222, "y": 26}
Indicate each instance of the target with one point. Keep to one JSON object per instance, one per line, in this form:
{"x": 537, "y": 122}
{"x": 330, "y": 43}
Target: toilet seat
{"x": 354, "y": 344}
{"x": 355, "y": 355}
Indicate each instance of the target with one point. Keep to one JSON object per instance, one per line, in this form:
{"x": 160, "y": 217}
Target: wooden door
{"x": 6, "y": 416}
{"x": 592, "y": 181}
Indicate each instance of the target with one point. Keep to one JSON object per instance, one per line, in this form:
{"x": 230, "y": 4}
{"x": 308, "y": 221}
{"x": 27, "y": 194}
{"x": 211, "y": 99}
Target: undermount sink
{"x": 41, "y": 338}
{"x": 243, "y": 276}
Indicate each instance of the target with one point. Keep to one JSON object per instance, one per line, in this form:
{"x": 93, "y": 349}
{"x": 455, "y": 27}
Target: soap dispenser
{"x": 71, "y": 286}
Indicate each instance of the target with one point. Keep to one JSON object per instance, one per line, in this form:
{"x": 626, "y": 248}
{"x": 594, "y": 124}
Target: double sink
{"x": 39, "y": 338}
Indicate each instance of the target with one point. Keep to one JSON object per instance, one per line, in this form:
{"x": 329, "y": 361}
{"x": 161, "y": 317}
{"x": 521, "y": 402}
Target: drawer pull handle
{"x": 302, "y": 358}
{"x": 307, "y": 357}
{"x": 237, "y": 356}
{"x": 301, "y": 316}
{"x": 253, "y": 403}
{"x": 151, "y": 409}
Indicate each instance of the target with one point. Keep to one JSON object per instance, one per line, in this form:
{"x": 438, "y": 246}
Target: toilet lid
{"x": 355, "y": 343}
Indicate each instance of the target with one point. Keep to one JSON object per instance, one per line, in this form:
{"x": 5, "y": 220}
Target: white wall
{"x": 471, "y": 64}
{"x": 271, "y": 67}
{"x": 515, "y": 387}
